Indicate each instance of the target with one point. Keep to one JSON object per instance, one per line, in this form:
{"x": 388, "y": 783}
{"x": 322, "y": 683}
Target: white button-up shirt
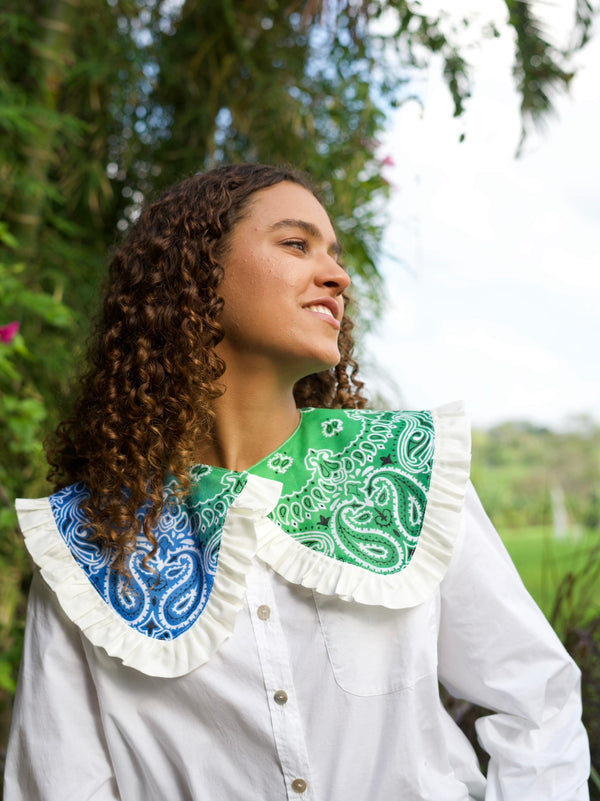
{"x": 313, "y": 698}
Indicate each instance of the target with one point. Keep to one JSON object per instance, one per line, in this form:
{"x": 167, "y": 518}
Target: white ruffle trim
{"x": 247, "y": 532}
{"x": 103, "y": 626}
{"x": 419, "y": 579}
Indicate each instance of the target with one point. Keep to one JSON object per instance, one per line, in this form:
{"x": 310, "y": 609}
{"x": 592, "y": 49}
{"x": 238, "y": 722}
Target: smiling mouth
{"x": 320, "y": 309}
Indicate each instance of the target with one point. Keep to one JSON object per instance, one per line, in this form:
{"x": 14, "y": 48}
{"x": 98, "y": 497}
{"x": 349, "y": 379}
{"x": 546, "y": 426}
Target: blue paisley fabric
{"x": 163, "y": 599}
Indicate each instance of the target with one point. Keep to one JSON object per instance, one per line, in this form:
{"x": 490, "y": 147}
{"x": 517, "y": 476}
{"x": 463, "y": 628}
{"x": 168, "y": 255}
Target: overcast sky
{"x": 493, "y": 291}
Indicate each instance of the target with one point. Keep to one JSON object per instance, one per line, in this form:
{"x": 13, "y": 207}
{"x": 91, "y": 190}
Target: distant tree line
{"x": 529, "y": 475}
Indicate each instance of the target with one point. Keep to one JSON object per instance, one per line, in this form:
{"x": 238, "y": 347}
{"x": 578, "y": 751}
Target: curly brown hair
{"x": 145, "y": 403}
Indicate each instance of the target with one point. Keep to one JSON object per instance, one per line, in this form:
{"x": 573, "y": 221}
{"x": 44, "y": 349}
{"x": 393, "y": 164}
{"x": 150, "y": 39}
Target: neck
{"x": 253, "y": 418}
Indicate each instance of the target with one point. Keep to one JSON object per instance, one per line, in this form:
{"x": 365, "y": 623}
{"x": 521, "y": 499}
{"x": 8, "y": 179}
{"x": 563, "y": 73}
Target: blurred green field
{"x": 544, "y": 560}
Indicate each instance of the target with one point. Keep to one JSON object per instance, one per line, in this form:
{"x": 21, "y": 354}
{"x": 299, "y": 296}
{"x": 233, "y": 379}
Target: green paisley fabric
{"x": 355, "y": 484}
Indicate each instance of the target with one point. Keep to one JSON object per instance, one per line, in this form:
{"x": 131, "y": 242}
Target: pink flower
{"x": 388, "y": 161}
{"x": 9, "y": 332}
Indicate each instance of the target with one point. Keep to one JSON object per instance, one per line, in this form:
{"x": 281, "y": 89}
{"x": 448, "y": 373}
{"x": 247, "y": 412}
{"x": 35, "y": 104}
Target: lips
{"x": 320, "y": 309}
{"x": 327, "y": 306}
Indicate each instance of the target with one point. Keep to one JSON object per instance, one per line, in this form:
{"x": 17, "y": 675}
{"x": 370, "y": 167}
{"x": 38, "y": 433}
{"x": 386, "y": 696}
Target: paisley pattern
{"x": 164, "y": 598}
{"x": 358, "y": 490}
{"x": 354, "y": 488}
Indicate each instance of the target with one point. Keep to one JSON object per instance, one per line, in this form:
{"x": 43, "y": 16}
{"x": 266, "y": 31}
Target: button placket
{"x": 273, "y": 652}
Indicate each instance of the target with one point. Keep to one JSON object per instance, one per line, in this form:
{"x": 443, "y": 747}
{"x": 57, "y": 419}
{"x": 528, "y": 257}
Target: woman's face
{"x": 282, "y": 286}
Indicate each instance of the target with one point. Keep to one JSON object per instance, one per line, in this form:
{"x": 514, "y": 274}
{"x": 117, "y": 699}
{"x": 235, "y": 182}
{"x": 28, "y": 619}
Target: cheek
{"x": 260, "y": 291}
{"x": 253, "y": 307}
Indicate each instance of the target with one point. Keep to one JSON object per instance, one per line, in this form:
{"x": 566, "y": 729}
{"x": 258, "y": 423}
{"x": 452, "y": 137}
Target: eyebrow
{"x": 309, "y": 228}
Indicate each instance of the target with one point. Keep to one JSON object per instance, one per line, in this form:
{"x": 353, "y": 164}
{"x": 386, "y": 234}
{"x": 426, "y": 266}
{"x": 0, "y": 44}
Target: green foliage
{"x": 23, "y": 413}
{"x": 576, "y": 614}
{"x": 545, "y": 561}
{"x": 518, "y": 467}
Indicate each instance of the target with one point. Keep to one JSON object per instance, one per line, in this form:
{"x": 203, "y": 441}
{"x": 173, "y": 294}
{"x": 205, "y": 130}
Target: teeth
{"x": 322, "y": 309}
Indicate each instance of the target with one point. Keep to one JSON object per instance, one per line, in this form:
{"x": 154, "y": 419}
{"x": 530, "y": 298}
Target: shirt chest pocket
{"x": 373, "y": 650}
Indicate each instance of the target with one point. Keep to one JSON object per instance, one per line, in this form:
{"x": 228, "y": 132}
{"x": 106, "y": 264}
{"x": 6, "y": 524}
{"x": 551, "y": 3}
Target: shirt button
{"x": 299, "y": 786}
{"x": 263, "y": 612}
{"x": 281, "y": 698}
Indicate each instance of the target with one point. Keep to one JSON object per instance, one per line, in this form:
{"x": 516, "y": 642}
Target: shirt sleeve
{"x": 497, "y": 650}
{"x": 56, "y": 750}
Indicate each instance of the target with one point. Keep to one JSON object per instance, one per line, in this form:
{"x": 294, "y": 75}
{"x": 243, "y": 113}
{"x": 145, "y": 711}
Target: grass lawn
{"x": 543, "y": 561}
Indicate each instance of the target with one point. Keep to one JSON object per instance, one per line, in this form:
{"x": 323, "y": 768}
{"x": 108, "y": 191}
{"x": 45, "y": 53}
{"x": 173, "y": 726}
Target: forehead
{"x": 286, "y": 200}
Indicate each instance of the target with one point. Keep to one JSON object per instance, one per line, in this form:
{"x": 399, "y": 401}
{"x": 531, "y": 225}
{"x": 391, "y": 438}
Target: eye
{"x": 299, "y": 244}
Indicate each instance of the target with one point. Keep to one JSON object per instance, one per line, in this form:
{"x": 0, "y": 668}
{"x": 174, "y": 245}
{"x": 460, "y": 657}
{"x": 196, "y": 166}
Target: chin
{"x": 322, "y": 364}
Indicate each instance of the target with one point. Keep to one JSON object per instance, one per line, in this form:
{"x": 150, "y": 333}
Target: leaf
{"x": 6, "y": 237}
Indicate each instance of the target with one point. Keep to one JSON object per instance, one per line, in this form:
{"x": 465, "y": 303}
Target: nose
{"x": 333, "y": 276}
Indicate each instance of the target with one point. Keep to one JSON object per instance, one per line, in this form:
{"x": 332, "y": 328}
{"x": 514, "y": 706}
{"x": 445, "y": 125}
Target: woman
{"x": 238, "y": 599}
